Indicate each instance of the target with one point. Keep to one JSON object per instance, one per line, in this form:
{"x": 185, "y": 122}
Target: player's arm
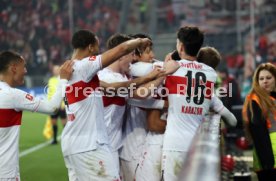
{"x": 154, "y": 121}
{"x": 130, "y": 85}
{"x": 170, "y": 66}
{"x": 147, "y": 89}
{"x": 227, "y": 116}
{"x": 115, "y": 53}
{"x": 27, "y": 102}
{"x": 134, "y": 82}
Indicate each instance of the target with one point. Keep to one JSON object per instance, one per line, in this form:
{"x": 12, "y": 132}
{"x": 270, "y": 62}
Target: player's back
{"x": 190, "y": 91}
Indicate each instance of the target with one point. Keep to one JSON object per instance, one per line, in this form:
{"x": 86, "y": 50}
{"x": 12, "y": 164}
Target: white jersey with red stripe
{"x": 114, "y": 108}
{"x": 140, "y": 69}
{"x": 157, "y": 138}
{"x": 135, "y": 128}
{"x": 190, "y": 91}
{"x": 13, "y": 101}
{"x": 85, "y": 129}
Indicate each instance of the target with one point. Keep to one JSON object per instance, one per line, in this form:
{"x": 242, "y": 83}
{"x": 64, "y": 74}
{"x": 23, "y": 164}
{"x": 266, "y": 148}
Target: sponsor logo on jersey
{"x": 29, "y": 97}
{"x": 92, "y": 58}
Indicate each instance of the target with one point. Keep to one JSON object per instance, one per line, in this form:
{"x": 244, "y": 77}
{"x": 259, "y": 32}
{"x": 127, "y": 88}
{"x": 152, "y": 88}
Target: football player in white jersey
{"x": 190, "y": 90}
{"x": 114, "y": 105}
{"x": 135, "y": 126}
{"x": 13, "y": 102}
{"x": 85, "y": 143}
{"x": 156, "y": 123}
{"x": 135, "y": 130}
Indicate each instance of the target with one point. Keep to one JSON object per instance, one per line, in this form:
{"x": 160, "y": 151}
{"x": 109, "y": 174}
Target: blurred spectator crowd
{"x": 39, "y": 29}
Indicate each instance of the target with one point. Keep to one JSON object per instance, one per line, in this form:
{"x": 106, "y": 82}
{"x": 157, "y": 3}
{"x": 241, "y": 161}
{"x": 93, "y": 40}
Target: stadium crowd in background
{"x": 39, "y": 30}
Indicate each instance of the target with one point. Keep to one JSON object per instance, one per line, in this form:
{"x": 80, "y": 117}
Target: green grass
{"x": 46, "y": 164}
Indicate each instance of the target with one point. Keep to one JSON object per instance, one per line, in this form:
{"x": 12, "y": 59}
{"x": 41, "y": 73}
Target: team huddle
{"x": 129, "y": 116}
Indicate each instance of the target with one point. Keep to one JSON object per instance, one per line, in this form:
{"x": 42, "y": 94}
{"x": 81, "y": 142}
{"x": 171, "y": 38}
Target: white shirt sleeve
{"x": 228, "y": 117}
{"x": 147, "y": 103}
{"x": 89, "y": 67}
{"x": 140, "y": 69}
{"x": 217, "y": 106}
{"x": 25, "y": 101}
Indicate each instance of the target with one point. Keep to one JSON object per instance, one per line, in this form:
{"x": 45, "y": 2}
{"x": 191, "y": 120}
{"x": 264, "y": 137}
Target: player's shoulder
{"x": 5, "y": 88}
{"x": 12, "y": 94}
{"x": 194, "y": 65}
{"x": 110, "y": 76}
{"x": 106, "y": 70}
{"x": 87, "y": 59}
{"x": 86, "y": 62}
{"x": 105, "y": 73}
{"x": 140, "y": 69}
{"x": 186, "y": 65}
{"x": 80, "y": 64}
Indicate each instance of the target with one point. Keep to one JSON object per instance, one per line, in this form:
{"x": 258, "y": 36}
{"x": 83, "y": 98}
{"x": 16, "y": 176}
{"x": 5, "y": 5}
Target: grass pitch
{"x": 45, "y": 164}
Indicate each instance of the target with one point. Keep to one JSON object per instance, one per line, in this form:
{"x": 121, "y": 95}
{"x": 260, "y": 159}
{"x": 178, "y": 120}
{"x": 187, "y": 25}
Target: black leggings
{"x": 267, "y": 175}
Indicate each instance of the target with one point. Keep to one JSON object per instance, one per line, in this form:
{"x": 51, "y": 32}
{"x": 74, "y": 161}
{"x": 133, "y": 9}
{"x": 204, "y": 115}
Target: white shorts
{"x": 97, "y": 165}
{"x": 150, "y": 164}
{"x": 10, "y": 179}
{"x": 117, "y": 163}
{"x": 128, "y": 169}
{"x": 13, "y": 178}
{"x": 115, "y": 155}
{"x": 172, "y": 162}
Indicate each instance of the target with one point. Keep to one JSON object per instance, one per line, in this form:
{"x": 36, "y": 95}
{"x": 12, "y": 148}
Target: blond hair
{"x": 209, "y": 56}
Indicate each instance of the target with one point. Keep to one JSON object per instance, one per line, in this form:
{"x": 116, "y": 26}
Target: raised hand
{"x": 156, "y": 73}
{"x": 172, "y": 56}
{"x": 144, "y": 43}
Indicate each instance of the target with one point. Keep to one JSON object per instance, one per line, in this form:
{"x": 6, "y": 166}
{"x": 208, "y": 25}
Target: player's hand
{"x": 172, "y": 56}
{"x": 168, "y": 57}
{"x": 170, "y": 66}
{"x": 156, "y": 72}
{"x": 66, "y": 70}
{"x": 144, "y": 43}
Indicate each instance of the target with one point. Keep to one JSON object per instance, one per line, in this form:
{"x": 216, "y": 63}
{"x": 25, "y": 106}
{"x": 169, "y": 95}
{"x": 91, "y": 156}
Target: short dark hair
{"x": 192, "y": 39}
{"x": 116, "y": 39}
{"x": 209, "y": 56}
{"x": 7, "y": 57}
{"x": 140, "y": 35}
{"x": 83, "y": 38}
